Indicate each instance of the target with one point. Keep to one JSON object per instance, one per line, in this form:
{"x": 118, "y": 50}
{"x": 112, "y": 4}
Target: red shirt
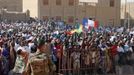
{"x": 59, "y": 50}
{"x": 113, "y": 50}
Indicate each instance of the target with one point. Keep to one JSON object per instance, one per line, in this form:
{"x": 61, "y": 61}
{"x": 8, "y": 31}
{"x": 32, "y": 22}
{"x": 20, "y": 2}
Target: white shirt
{"x": 130, "y": 49}
{"x": 112, "y": 38}
{"x": 27, "y": 49}
{"x": 30, "y": 45}
{"x": 120, "y": 49}
{"x": 21, "y": 48}
{"x": 16, "y": 46}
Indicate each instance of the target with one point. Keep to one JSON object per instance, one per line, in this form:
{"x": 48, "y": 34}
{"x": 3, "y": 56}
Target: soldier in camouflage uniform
{"x": 40, "y": 63}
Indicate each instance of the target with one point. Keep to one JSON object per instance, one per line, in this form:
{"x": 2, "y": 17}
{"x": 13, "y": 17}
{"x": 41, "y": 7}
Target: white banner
{"x": 89, "y": 1}
{"x": 120, "y": 30}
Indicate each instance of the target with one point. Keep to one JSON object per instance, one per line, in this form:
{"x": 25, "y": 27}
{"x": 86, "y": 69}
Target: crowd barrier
{"x": 81, "y": 63}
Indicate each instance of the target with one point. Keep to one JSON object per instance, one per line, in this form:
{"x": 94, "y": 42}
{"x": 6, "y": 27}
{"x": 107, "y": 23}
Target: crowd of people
{"x": 47, "y": 48}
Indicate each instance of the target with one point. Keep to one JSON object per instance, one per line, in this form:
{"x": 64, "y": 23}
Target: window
{"x": 111, "y": 3}
{"x": 111, "y": 22}
{"x": 58, "y": 17}
{"x": 45, "y": 2}
{"x": 58, "y": 2}
{"x": 70, "y": 19}
{"x": 71, "y": 2}
{"x": 80, "y": 3}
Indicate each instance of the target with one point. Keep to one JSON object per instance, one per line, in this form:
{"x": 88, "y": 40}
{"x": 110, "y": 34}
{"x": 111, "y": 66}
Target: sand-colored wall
{"x": 32, "y": 6}
{"x": 11, "y": 5}
{"x": 102, "y": 11}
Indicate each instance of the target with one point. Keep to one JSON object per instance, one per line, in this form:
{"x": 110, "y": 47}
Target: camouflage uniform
{"x": 19, "y": 65}
{"x": 76, "y": 60}
{"x": 40, "y": 64}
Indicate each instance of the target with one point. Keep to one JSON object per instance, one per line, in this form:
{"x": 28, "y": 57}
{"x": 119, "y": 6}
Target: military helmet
{"x": 41, "y": 42}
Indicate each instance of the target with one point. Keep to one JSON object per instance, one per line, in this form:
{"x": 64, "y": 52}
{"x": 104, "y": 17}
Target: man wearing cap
{"x": 40, "y": 63}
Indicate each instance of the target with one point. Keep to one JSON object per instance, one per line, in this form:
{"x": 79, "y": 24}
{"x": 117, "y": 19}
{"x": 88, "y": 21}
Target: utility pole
{"x": 50, "y": 8}
{"x": 96, "y": 7}
{"x": 85, "y": 9}
{"x": 125, "y": 13}
{"x": 63, "y": 10}
{"x": 75, "y": 3}
{"x": 129, "y": 17}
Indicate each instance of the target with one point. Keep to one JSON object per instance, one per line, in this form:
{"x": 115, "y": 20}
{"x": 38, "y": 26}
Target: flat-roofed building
{"x": 107, "y": 12}
{"x": 11, "y": 5}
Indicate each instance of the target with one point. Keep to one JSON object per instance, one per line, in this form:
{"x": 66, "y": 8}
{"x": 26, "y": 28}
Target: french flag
{"x": 89, "y": 24}
{"x": 92, "y": 23}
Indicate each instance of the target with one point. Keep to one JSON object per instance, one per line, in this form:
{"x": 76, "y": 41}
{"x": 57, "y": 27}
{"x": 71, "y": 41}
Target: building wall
{"x": 102, "y": 11}
{"x": 129, "y": 10}
{"x": 13, "y": 16}
{"x": 128, "y": 14}
{"x": 11, "y": 5}
{"x": 108, "y": 15}
{"x": 32, "y": 6}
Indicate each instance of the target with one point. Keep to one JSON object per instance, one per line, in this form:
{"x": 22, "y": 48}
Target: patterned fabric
{"x": 76, "y": 59}
{"x": 88, "y": 59}
{"x": 39, "y": 64}
{"x": 76, "y": 56}
{"x": 19, "y": 65}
